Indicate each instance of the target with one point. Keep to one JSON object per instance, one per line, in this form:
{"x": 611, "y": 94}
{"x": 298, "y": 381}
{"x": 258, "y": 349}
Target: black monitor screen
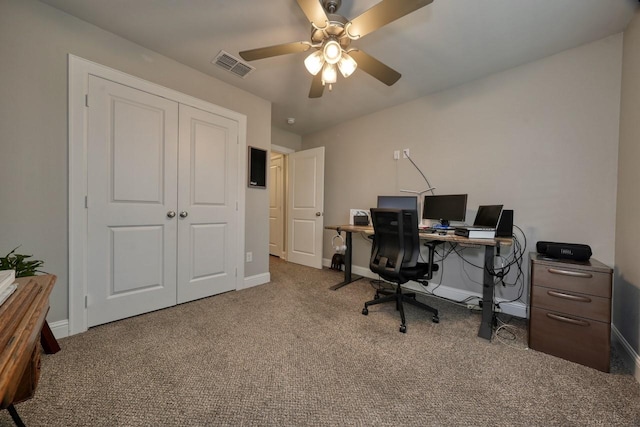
{"x": 398, "y": 202}
{"x": 445, "y": 208}
{"x": 488, "y": 216}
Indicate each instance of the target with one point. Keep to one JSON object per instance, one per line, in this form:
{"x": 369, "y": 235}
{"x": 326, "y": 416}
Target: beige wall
{"x": 541, "y": 139}
{"x": 626, "y": 295}
{"x": 286, "y": 139}
{"x": 34, "y": 42}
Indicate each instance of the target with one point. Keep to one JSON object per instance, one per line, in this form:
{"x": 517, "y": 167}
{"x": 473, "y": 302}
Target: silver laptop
{"x": 487, "y": 216}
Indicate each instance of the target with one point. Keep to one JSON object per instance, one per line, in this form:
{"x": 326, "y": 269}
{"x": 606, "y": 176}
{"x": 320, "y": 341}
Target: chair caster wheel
{"x": 376, "y": 296}
{"x": 365, "y": 311}
{"x": 436, "y": 319}
{"x": 403, "y": 329}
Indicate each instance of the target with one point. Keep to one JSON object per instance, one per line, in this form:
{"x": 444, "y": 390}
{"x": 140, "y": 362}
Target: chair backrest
{"x": 396, "y": 242}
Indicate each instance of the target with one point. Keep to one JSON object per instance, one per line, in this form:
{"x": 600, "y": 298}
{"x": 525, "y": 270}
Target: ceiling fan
{"x": 331, "y": 36}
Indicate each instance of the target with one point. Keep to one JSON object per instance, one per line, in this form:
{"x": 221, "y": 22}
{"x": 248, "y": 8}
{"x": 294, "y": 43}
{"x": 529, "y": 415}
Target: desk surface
{"x": 506, "y": 241}
{"x": 21, "y": 319}
{"x": 489, "y": 245}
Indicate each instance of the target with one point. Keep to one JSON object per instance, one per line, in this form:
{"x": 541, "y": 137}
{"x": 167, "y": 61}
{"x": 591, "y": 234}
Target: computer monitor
{"x": 445, "y": 208}
{"x": 488, "y": 216}
{"x": 398, "y": 202}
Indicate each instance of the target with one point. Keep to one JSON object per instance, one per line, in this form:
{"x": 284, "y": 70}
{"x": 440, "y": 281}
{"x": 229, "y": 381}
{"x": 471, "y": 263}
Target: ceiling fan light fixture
{"x": 332, "y": 51}
{"x": 347, "y": 65}
{"x": 329, "y": 74}
{"x": 331, "y": 36}
{"x": 314, "y": 62}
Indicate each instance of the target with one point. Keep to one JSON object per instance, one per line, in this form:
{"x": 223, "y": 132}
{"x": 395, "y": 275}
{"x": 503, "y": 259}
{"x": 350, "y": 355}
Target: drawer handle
{"x": 570, "y": 273}
{"x": 570, "y": 297}
{"x": 567, "y": 320}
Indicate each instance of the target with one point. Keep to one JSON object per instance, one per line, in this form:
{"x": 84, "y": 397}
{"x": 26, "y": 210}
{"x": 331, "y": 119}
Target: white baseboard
{"x": 630, "y": 357}
{"x": 516, "y": 309}
{"x": 258, "y": 279}
{"x": 60, "y": 328}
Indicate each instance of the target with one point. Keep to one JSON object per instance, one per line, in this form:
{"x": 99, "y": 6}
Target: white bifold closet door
{"x": 161, "y": 204}
{"x": 207, "y": 195}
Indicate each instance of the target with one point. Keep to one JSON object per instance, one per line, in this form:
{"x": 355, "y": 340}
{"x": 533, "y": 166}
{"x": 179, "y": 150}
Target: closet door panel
{"x": 131, "y": 170}
{"x": 208, "y": 203}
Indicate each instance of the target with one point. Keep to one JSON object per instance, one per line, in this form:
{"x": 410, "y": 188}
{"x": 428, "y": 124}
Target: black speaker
{"x": 505, "y": 225}
{"x": 574, "y": 251}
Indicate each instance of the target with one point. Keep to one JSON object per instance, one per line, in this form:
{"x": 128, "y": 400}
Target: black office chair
{"x": 394, "y": 256}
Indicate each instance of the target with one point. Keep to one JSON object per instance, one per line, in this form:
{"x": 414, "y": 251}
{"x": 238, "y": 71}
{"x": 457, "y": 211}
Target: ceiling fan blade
{"x": 314, "y": 12}
{"x": 316, "y": 86}
{"x": 277, "y": 50}
{"x": 383, "y": 13}
{"x": 375, "y": 68}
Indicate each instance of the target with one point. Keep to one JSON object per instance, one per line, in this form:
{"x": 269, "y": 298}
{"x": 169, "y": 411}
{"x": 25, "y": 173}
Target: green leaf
{"x": 17, "y": 262}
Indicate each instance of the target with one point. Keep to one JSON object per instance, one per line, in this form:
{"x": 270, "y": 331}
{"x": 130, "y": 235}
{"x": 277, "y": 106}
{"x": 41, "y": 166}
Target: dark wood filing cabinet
{"x": 570, "y": 310}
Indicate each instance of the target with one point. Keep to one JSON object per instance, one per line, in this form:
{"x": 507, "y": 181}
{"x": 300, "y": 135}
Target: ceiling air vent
{"x": 232, "y": 64}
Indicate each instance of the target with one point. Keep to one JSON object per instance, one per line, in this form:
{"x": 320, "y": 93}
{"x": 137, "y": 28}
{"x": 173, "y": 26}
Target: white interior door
{"x": 207, "y": 203}
{"x": 276, "y": 206}
{"x": 305, "y": 212}
{"x": 132, "y": 165}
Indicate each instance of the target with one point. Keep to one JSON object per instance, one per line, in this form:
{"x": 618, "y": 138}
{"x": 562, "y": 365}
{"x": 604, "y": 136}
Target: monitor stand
{"x": 443, "y": 225}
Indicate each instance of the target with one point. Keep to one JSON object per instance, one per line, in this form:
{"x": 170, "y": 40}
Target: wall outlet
{"x": 396, "y": 155}
{"x": 405, "y": 153}
{"x": 249, "y": 256}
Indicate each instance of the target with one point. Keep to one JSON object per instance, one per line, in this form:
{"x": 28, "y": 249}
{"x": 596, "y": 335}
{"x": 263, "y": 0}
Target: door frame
{"x": 277, "y": 185}
{"x": 284, "y": 151}
{"x": 79, "y": 71}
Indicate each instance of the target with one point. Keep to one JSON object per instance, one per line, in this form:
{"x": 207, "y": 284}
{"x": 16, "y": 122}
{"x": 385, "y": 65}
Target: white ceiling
{"x": 442, "y": 45}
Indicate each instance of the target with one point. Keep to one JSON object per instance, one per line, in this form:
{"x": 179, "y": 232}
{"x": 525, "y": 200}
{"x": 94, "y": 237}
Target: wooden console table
{"x": 22, "y": 325}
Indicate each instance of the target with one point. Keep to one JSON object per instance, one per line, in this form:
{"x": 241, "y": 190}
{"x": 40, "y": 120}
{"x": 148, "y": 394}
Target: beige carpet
{"x": 294, "y": 353}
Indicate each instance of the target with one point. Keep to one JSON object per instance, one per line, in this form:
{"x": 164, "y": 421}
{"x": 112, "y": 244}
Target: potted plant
{"x": 19, "y": 263}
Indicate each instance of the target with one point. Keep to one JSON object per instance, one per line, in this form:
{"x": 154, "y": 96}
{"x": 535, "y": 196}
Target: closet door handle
{"x": 184, "y": 214}
{"x": 570, "y": 297}
{"x": 570, "y": 273}
{"x": 171, "y": 214}
{"x": 569, "y": 320}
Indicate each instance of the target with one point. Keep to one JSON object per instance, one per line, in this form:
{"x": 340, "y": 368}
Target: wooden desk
{"x": 488, "y": 315}
{"x": 22, "y": 318}
{"x": 349, "y": 229}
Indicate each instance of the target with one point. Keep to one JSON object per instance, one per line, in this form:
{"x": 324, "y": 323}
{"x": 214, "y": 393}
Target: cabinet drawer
{"x": 573, "y": 303}
{"x": 573, "y": 280}
{"x": 572, "y": 338}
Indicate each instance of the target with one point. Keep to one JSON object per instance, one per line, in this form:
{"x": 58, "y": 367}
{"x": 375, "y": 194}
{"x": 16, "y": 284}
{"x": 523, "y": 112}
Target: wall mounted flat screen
{"x": 398, "y": 202}
{"x": 445, "y": 208}
{"x": 257, "y": 168}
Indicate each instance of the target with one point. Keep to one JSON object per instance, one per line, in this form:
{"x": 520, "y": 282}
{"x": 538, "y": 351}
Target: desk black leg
{"x": 348, "y": 277}
{"x": 15, "y": 416}
{"x": 486, "y": 327}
